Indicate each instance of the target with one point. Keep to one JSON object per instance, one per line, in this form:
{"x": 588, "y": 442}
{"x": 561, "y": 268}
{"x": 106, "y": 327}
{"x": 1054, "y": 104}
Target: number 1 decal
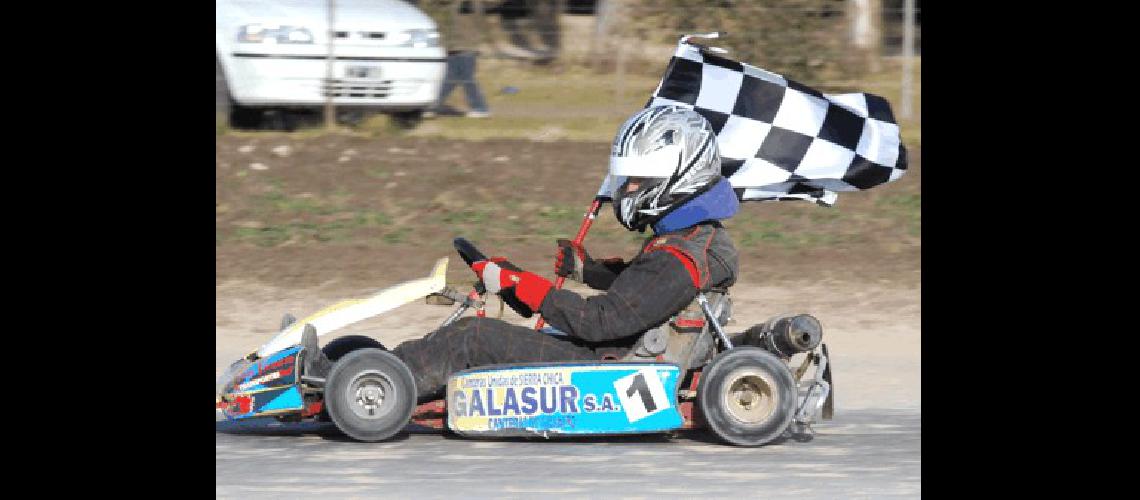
{"x": 640, "y": 387}
{"x": 641, "y": 394}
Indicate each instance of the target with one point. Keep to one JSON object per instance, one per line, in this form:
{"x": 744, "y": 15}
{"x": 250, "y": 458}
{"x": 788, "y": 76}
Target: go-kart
{"x": 686, "y": 374}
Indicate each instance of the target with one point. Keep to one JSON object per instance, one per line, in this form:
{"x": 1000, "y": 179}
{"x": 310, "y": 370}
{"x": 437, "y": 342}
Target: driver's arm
{"x": 600, "y": 274}
{"x": 646, "y": 293}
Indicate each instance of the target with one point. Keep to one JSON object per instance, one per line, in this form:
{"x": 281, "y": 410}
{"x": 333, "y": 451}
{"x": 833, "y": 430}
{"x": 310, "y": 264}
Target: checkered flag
{"x": 779, "y": 139}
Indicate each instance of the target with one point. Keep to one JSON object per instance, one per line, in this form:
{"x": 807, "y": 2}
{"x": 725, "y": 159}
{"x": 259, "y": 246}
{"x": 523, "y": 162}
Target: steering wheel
{"x": 467, "y": 251}
{"x": 470, "y": 254}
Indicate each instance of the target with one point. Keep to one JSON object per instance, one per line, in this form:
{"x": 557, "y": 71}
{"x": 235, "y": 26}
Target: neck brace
{"x": 717, "y": 203}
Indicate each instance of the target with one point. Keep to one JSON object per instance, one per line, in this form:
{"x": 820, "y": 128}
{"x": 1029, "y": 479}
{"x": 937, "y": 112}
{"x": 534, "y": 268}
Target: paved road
{"x": 860, "y": 454}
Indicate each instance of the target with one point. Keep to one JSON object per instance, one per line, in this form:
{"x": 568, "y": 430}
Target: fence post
{"x": 908, "y": 58}
{"x": 330, "y": 111}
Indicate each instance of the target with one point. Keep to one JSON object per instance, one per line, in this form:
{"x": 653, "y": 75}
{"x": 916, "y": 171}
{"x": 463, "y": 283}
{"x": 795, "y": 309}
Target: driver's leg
{"x": 474, "y": 341}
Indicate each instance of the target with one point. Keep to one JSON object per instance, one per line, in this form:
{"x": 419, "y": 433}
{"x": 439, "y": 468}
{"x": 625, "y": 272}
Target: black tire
{"x": 343, "y": 345}
{"x": 337, "y": 349}
{"x": 352, "y": 117}
{"x": 747, "y": 396}
{"x": 245, "y": 118}
{"x": 407, "y": 120}
{"x": 370, "y": 376}
{"x": 228, "y": 112}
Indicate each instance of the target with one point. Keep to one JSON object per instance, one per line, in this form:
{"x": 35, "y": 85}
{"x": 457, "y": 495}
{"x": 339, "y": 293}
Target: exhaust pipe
{"x": 785, "y": 336}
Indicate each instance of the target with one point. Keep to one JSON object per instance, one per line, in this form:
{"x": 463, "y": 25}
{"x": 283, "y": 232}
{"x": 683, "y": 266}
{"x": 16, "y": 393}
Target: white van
{"x": 272, "y": 54}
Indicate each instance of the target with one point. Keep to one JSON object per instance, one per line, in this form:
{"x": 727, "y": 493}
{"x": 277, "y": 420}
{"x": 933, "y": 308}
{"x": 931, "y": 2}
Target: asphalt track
{"x": 860, "y": 454}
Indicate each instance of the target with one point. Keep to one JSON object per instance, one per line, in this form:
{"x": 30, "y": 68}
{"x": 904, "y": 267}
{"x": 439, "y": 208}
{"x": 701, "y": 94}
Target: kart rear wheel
{"x": 370, "y": 394}
{"x": 747, "y": 396}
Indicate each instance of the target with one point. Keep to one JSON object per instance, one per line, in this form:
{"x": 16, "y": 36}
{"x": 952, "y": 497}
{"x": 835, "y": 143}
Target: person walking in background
{"x": 524, "y": 21}
{"x": 464, "y": 35}
{"x": 461, "y": 71}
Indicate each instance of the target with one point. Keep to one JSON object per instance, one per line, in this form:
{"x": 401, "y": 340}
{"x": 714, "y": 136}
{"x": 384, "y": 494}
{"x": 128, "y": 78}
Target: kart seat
{"x": 686, "y": 339}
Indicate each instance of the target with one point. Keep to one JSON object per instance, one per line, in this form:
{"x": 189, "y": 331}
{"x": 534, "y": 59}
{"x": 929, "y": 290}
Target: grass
{"x": 558, "y": 104}
{"x": 396, "y": 236}
{"x": 340, "y": 230}
{"x": 906, "y": 208}
{"x": 749, "y": 232}
{"x": 283, "y": 218}
{"x": 467, "y": 216}
{"x": 377, "y": 172}
{"x": 566, "y": 102}
{"x": 893, "y": 218}
{"x": 276, "y": 201}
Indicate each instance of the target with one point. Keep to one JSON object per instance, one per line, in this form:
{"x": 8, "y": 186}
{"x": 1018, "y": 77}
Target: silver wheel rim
{"x": 371, "y": 395}
{"x": 750, "y": 396}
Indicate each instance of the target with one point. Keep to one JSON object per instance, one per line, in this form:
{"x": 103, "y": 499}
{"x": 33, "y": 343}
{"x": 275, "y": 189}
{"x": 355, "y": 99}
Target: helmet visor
{"x": 662, "y": 162}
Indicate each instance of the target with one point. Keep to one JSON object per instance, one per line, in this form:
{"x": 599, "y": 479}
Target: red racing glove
{"x": 523, "y": 291}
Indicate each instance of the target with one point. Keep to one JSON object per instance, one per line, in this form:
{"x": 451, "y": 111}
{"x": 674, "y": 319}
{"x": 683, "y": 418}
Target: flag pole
{"x": 587, "y": 221}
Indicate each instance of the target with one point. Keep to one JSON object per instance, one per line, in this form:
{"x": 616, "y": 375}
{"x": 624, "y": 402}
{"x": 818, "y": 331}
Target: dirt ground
{"x": 302, "y": 222}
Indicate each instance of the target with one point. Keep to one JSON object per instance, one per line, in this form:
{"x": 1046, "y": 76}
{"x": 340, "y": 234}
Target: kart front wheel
{"x": 370, "y": 394}
{"x": 747, "y": 396}
{"x": 341, "y": 346}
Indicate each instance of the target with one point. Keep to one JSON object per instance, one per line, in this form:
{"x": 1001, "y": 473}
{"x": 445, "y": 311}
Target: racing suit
{"x": 641, "y": 294}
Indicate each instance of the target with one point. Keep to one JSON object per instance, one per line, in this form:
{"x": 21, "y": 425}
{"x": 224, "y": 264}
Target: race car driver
{"x": 666, "y": 170}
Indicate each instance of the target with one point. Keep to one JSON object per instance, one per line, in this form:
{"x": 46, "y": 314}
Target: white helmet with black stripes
{"x": 662, "y": 157}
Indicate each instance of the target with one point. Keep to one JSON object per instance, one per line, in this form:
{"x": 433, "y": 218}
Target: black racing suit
{"x": 659, "y": 282}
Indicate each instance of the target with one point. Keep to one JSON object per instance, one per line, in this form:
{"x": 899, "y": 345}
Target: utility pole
{"x": 330, "y": 111}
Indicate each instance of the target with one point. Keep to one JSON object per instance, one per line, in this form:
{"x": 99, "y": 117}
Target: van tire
{"x": 228, "y": 113}
{"x": 407, "y": 120}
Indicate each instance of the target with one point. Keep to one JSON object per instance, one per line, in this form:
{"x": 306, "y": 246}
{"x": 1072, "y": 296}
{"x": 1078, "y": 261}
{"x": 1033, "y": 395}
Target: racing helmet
{"x": 662, "y": 157}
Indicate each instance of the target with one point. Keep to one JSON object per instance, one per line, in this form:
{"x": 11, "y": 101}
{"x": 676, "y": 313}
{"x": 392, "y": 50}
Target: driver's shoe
{"x": 317, "y": 365}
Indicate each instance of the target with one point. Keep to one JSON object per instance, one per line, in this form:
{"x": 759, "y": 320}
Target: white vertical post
{"x": 861, "y": 24}
{"x": 599, "y": 46}
{"x": 865, "y": 35}
{"x": 908, "y": 58}
{"x": 330, "y": 111}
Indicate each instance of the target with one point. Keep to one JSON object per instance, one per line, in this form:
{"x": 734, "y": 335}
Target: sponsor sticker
{"x": 576, "y": 399}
